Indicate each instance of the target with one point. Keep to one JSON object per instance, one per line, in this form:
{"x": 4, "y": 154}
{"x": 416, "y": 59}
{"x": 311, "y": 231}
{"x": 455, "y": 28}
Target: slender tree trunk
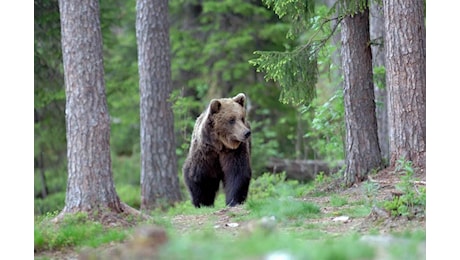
{"x": 90, "y": 184}
{"x": 362, "y": 147}
{"x": 405, "y": 50}
{"x": 42, "y": 176}
{"x": 159, "y": 174}
{"x": 336, "y": 58}
{"x": 377, "y": 31}
{"x": 299, "y": 141}
{"x": 187, "y": 24}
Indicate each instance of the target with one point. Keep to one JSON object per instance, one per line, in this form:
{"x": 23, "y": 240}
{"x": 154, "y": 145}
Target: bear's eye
{"x": 231, "y": 121}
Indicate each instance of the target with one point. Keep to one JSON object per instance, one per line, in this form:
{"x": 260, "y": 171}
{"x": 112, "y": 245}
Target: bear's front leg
{"x": 202, "y": 180}
{"x": 237, "y": 175}
{"x": 237, "y": 192}
{"x": 204, "y": 192}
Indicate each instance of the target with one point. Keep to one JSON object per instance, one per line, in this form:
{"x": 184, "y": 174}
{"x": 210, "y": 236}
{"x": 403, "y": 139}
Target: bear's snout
{"x": 247, "y": 134}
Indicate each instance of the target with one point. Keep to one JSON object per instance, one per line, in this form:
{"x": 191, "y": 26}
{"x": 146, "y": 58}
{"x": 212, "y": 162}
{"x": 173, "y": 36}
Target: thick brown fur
{"x": 220, "y": 152}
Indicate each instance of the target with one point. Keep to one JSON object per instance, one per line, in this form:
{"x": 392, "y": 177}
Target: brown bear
{"x": 220, "y": 152}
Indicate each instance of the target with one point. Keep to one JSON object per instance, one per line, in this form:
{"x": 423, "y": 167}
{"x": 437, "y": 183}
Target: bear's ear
{"x": 240, "y": 98}
{"x": 215, "y": 106}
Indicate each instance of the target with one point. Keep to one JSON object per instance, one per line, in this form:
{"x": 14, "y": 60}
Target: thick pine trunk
{"x": 361, "y": 142}
{"x": 405, "y": 76}
{"x": 90, "y": 185}
{"x": 159, "y": 174}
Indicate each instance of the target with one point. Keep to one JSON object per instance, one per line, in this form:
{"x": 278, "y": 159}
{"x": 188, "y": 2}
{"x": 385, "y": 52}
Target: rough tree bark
{"x": 405, "y": 50}
{"x": 159, "y": 174}
{"x": 90, "y": 184}
{"x": 361, "y": 142}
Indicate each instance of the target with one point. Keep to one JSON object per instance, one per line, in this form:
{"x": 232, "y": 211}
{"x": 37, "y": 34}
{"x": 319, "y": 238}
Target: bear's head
{"x": 228, "y": 117}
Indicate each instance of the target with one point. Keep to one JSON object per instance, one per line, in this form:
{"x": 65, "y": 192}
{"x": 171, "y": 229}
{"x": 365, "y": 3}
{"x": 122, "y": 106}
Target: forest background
{"x": 211, "y": 46}
{"x": 290, "y": 64}
{"x": 122, "y": 95}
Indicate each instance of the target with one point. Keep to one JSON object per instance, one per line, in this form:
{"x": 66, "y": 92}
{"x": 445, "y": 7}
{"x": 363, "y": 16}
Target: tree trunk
{"x": 43, "y": 177}
{"x": 377, "y": 31}
{"x": 159, "y": 174}
{"x": 362, "y": 147}
{"x": 336, "y": 59}
{"x": 405, "y": 51}
{"x": 90, "y": 184}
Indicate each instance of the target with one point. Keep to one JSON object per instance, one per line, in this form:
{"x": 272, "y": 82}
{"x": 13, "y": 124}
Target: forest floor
{"x": 223, "y": 220}
{"x": 386, "y": 180}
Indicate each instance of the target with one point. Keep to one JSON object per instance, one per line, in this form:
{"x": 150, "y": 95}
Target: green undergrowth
{"x": 74, "y": 230}
{"x": 263, "y": 246}
{"x": 284, "y": 208}
{"x": 411, "y": 202}
{"x": 294, "y": 226}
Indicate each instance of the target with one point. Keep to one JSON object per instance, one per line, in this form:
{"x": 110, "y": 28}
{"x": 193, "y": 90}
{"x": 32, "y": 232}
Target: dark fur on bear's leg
{"x": 204, "y": 192}
{"x": 237, "y": 193}
{"x": 202, "y": 180}
{"x": 237, "y": 174}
